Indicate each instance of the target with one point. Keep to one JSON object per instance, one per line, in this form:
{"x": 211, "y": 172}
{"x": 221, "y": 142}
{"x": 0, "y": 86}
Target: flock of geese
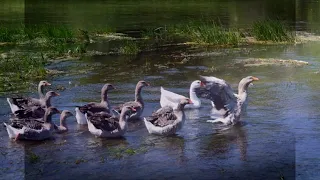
{"x": 31, "y": 118}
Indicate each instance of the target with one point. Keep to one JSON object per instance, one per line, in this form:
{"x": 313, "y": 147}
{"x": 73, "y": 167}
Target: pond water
{"x": 280, "y": 131}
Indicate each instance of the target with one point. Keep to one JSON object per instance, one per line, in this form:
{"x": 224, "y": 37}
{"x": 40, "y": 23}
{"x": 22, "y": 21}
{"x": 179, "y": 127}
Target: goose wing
{"x": 25, "y": 102}
{"x": 104, "y": 121}
{"x": 136, "y": 105}
{"x": 218, "y": 91}
{"x": 93, "y": 107}
{"x": 29, "y": 123}
{"x": 169, "y": 98}
{"x": 30, "y": 112}
{"x": 162, "y": 117}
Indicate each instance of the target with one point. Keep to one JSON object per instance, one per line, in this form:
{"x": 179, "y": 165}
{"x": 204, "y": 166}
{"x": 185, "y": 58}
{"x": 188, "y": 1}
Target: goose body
{"x": 224, "y": 99}
{"x": 138, "y": 103}
{"x": 166, "y": 120}
{"x": 172, "y": 99}
{"x": 33, "y": 129}
{"x": 36, "y": 111}
{"x": 107, "y": 126}
{"x": 15, "y": 105}
{"x": 95, "y": 107}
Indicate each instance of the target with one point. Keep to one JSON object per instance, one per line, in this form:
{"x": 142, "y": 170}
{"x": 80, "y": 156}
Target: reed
{"x": 272, "y": 30}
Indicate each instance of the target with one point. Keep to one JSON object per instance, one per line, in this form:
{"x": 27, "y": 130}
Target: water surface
{"x": 280, "y": 130}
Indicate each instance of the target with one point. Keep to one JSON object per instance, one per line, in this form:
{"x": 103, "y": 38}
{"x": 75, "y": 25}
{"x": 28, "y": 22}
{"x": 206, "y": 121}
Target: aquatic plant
{"x": 203, "y": 32}
{"x": 12, "y": 34}
{"x": 33, "y": 158}
{"x": 162, "y": 35}
{"x": 272, "y": 30}
{"x": 211, "y": 33}
{"x": 78, "y": 161}
{"x": 103, "y": 30}
{"x": 129, "y": 47}
{"x": 56, "y": 33}
{"x": 16, "y": 72}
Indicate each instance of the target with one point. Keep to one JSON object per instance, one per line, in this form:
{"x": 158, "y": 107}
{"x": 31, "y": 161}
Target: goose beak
{"x": 57, "y": 94}
{"x": 255, "y": 78}
{"x": 47, "y": 84}
{"x": 148, "y": 84}
{"x": 133, "y": 109}
{"x": 190, "y": 102}
{"x": 202, "y": 84}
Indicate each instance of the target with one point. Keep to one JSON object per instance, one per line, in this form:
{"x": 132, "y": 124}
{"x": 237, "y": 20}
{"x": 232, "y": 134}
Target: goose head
{"x": 44, "y": 83}
{"x": 108, "y": 87}
{"x": 65, "y": 114}
{"x": 184, "y": 102}
{"x": 50, "y": 94}
{"x": 197, "y": 84}
{"x": 53, "y": 110}
{"x": 128, "y": 110}
{"x": 246, "y": 82}
{"x": 143, "y": 84}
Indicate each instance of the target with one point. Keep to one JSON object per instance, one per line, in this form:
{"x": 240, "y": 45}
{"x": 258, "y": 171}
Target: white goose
{"x": 172, "y": 99}
{"x": 224, "y": 99}
{"x": 166, "y": 120}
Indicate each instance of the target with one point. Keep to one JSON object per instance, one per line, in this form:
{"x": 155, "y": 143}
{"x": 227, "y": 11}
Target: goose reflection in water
{"x": 220, "y": 142}
{"x": 173, "y": 146}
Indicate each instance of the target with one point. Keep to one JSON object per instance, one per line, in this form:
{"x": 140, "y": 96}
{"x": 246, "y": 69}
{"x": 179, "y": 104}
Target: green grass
{"x": 272, "y": 30}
